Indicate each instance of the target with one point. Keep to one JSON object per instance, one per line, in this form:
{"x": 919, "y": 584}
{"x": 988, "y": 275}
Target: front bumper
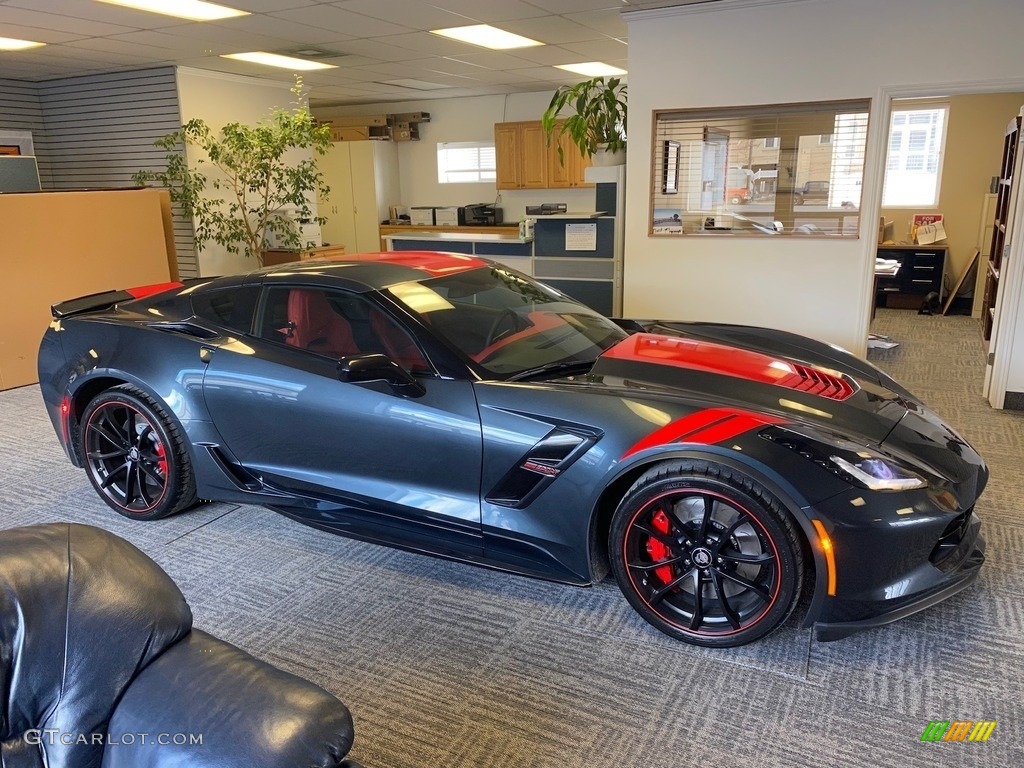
{"x": 965, "y": 577}
{"x": 878, "y": 594}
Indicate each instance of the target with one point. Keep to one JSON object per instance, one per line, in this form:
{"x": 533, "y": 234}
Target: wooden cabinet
{"x": 920, "y": 273}
{"x": 525, "y": 161}
{"x": 999, "y": 227}
{"x": 363, "y": 177}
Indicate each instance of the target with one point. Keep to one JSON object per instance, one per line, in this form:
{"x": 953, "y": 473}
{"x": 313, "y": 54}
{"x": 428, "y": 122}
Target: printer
{"x": 479, "y": 215}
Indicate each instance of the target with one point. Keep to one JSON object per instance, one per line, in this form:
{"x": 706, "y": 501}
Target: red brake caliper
{"x": 162, "y": 464}
{"x": 657, "y": 550}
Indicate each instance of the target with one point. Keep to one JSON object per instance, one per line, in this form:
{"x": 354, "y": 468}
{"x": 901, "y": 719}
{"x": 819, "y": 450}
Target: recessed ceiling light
{"x": 487, "y": 36}
{"x": 276, "y": 60}
{"x": 196, "y": 10}
{"x": 419, "y": 85}
{"x": 592, "y": 69}
{"x": 13, "y": 44}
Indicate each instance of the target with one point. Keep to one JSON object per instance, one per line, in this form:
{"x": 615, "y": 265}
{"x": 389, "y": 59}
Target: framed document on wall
{"x": 671, "y": 168}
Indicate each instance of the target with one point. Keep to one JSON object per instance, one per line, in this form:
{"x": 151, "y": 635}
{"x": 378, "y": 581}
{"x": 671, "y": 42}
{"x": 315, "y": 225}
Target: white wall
{"x": 466, "y": 119}
{"x": 803, "y": 50}
{"x": 219, "y": 99}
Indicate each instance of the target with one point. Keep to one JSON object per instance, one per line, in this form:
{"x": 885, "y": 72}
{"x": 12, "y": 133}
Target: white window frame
{"x": 479, "y": 172}
{"x": 897, "y": 157}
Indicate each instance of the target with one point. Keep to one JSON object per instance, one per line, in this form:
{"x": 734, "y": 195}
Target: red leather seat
{"x": 397, "y": 344}
{"x": 315, "y": 326}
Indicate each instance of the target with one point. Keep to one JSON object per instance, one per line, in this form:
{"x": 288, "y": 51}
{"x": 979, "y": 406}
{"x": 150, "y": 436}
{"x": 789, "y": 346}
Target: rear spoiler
{"x": 107, "y": 299}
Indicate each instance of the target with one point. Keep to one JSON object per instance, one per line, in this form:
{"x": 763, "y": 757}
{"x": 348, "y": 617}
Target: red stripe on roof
{"x": 434, "y": 263}
{"x": 143, "y": 291}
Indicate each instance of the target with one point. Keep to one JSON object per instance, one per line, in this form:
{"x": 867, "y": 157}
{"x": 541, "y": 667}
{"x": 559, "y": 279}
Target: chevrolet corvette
{"x": 450, "y": 405}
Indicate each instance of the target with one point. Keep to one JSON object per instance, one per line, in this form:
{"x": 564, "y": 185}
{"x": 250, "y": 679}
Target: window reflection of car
{"x": 811, "y": 190}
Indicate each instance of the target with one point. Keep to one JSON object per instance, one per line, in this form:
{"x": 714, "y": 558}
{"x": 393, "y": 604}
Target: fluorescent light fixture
{"x": 592, "y": 69}
{"x": 196, "y": 10}
{"x": 13, "y": 44}
{"x": 276, "y": 60}
{"x": 419, "y": 85}
{"x": 487, "y": 36}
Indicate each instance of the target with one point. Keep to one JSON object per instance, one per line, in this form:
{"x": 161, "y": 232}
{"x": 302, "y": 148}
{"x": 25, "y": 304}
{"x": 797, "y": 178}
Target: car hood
{"x": 782, "y": 376}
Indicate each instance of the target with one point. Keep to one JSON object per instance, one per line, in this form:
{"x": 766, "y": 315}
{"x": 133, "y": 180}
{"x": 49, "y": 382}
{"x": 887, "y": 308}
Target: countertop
{"x": 454, "y": 237}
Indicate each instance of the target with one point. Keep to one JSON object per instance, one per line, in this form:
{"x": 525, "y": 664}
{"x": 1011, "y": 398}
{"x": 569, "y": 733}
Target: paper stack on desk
{"x": 931, "y": 233}
{"x": 887, "y": 267}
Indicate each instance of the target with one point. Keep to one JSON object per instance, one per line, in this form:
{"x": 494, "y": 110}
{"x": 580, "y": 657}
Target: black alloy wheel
{"x": 135, "y": 455}
{"x": 706, "y": 555}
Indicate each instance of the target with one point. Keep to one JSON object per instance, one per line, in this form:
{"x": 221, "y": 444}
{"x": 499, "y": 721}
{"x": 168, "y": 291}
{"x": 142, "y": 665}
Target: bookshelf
{"x": 999, "y": 226}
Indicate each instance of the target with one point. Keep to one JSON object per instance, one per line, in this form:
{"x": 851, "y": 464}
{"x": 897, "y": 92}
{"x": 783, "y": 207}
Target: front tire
{"x": 706, "y": 554}
{"x": 135, "y": 455}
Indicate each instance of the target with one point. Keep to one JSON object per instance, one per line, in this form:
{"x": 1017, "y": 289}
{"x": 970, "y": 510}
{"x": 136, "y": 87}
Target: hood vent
{"x": 706, "y": 356}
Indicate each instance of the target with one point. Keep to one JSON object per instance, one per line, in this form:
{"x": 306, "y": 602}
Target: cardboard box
{"x": 354, "y": 121}
{"x": 59, "y": 245}
{"x": 885, "y": 230}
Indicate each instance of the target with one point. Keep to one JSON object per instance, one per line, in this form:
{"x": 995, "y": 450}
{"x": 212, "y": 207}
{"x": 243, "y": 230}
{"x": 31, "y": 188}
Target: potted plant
{"x": 252, "y": 187}
{"x": 598, "y": 123}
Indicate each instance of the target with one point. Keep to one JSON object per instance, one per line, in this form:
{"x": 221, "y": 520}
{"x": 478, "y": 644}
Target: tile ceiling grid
{"x": 375, "y": 41}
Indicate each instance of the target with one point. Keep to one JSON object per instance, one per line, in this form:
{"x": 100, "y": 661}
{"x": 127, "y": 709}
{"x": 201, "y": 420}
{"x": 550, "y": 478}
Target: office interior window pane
{"x": 760, "y": 170}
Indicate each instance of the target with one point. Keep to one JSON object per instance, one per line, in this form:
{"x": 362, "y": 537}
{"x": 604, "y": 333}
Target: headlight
{"x": 878, "y": 474}
{"x": 854, "y": 463}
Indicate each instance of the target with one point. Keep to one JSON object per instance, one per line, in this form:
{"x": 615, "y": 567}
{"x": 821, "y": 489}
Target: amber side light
{"x": 830, "y": 557}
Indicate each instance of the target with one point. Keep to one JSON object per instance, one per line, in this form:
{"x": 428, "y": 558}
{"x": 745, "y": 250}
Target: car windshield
{"x": 508, "y": 323}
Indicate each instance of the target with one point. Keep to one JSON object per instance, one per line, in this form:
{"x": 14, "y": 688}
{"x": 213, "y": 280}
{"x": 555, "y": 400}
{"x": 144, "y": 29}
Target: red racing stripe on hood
{"x": 707, "y": 427}
{"x": 709, "y": 357}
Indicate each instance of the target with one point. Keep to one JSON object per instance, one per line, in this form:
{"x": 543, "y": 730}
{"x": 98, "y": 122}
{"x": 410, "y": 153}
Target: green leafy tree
{"x": 597, "y": 116}
{"x": 243, "y": 185}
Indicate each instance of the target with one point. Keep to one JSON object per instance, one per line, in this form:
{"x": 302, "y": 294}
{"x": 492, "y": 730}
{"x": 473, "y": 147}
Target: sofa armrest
{"x": 206, "y": 704}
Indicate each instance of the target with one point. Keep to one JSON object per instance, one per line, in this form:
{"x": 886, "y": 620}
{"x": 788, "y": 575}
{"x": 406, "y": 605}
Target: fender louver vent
{"x": 538, "y": 469}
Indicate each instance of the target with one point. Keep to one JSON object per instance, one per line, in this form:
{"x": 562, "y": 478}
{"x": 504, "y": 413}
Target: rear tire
{"x": 706, "y": 554}
{"x": 135, "y": 455}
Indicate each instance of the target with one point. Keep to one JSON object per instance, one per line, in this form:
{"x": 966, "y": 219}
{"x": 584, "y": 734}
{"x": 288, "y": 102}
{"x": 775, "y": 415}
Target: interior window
{"x": 336, "y": 324}
{"x": 231, "y": 307}
{"x": 759, "y": 170}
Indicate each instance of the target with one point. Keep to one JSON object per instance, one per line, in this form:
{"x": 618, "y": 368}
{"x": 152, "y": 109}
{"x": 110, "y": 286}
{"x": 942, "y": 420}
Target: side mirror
{"x": 363, "y": 369}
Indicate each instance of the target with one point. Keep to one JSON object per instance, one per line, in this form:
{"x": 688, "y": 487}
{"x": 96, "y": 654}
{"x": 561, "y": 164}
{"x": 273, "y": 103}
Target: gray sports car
{"x": 450, "y": 405}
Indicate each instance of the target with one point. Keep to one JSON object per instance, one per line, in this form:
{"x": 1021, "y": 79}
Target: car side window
{"x": 336, "y": 324}
{"x": 230, "y": 307}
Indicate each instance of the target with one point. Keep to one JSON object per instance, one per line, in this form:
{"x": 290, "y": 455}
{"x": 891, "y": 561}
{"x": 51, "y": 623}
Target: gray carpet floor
{"x": 444, "y": 664}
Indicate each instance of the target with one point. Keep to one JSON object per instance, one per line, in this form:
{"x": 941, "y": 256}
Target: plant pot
{"x": 602, "y": 158}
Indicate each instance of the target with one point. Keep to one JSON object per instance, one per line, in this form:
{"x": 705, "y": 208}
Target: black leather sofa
{"x": 100, "y": 668}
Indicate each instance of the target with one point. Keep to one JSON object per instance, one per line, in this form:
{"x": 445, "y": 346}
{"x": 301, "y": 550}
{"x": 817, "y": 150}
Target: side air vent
{"x": 539, "y": 467}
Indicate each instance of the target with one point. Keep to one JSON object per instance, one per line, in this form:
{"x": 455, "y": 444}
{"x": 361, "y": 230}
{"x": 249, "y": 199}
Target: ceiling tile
{"x": 418, "y": 15}
{"x": 545, "y": 54}
{"x": 552, "y": 30}
{"x": 575, "y": 6}
{"x": 608, "y": 22}
{"x": 598, "y": 50}
{"x": 267, "y": 6}
{"x": 494, "y": 60}
{"x": 98, "y": 12}
{"x": 428, "y": 43}
{"x": 10, "y": 16}
{"x": 339, "y": 20}
{"x": 36, "y": 34}
{"x": 378, "y": 50}
{"x": 490, "y": 11}
{"x": 271, "y": 26}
